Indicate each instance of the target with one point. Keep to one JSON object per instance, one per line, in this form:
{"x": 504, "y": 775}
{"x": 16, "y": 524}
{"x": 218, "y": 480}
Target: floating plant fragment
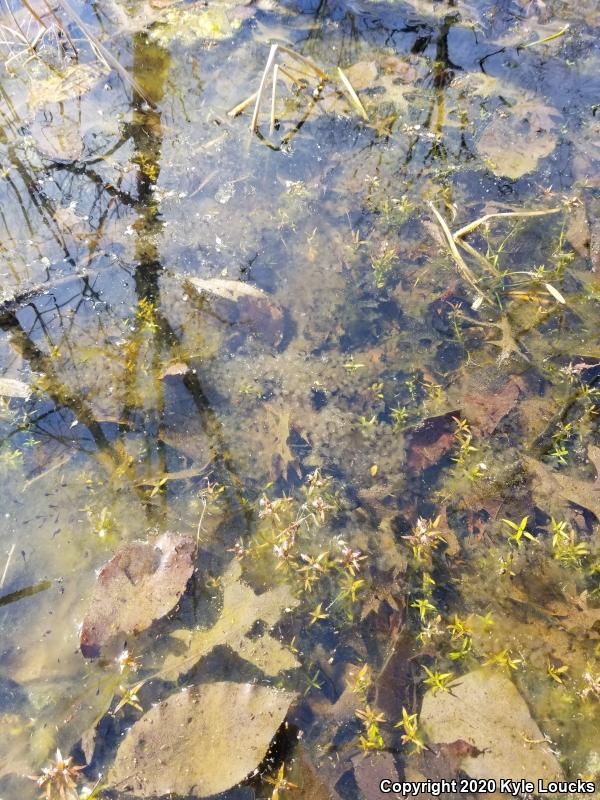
{"x": 141, "y": 583}
{"x": 486, "y": 710}
{"x": 200, "y": 741}
{"x": 241, "y": 609}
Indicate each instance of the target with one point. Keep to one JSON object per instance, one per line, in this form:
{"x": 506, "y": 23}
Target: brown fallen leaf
{"x": 200, "y": 741}
{"x": 485, "y": 410}
{"x": 141, "y": 583}
{"x": 529, "y": 127}
{"x": 370, "y": 769}
{"x": 239, "y": 305}
{"x": 241, "y": 609}
{"x": 549, "y": 482}
{"x": 430, "y": 441}
{"x": 485, "y": 709}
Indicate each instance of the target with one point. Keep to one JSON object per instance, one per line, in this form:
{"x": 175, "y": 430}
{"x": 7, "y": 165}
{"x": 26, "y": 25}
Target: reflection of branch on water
{"x": 109, "y": 456}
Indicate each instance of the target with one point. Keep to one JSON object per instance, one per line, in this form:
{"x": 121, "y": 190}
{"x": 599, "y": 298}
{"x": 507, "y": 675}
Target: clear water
{"x": 147, "y": 404}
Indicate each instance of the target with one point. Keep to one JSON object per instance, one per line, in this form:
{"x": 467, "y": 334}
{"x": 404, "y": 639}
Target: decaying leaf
{"x": 370, "y": 769}
{"x": 516, "y": 139}
{"x": 75, "y": 80}
{"x": 142, "y": 582}
{"x": 200, "y": 741}
{"x": 486, "y": 409}
{"x": 272, "y": 426}
{"x": 429, "y": 441}
{"x": 549, "y": 482}
{"x": 59, "y": 140}
{"x": 241, "y": 609}
{"x": 239, "y": 304}
{"x": 362, "y": 74}
{"x": 486, "y": 711}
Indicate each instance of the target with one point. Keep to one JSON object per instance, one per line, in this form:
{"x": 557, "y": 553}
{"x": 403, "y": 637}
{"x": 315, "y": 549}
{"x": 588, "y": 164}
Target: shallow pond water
{"x": 337, "y": 366}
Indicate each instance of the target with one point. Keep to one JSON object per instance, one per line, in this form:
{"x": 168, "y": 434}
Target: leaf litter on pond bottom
{"x": 200, "y": 741}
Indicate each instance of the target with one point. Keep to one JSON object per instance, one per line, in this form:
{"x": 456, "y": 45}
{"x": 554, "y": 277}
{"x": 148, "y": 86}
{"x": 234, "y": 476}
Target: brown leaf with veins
{"x": 142, "y": 582}
{"x": 430, "y": 441}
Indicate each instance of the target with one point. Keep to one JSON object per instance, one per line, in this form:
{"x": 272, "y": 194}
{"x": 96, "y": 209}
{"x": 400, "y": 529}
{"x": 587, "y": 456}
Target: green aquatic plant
{"x": 562, "y": 436}
{"x": 400, "y": 415}
{"x": 557, "y": 673}
{"x": 376, "y": 390}
{"x": 463, "y": 438}
{"x": 409, "y": 724}
{"x": 352, "y": 366}
{"x": 279, "y": 783}
{"x": 565, "y": 546}
{"x": 362, "y": 682}
{"x": 461, "y": 633}
{"x": 372, "y": 738}
{"x": 503, "y": 658}
{"x": 438, "y": 681}
{"x": 424, "y": 607}
{"x": 519, "y": 532}
{"x": 129, "y": 697}
{"x": 10, "y": 458}
{"x": 382, "y": 262}
{"x": 103, "y": 523}
{"x": 317, "y": 614}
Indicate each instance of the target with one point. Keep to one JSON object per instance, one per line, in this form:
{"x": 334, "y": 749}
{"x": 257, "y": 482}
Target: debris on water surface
{"x": 201, "y": 741}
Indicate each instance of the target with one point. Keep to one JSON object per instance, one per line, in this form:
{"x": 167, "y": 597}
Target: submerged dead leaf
{"x": 486, "y": 711}
{"x": 272, "y": 425}
{"x": 485, "y": 410}
{"x": 241, "y": 609}
{"x": 75, "y": 80}
{"x": 550, "y": 482}
{"x": 516, "y": 139}
{"x": 239, "y": 304}
{"x": 141, "y": 583}
{"x": 201, "y": 741}
{"x": 429, "y": 441}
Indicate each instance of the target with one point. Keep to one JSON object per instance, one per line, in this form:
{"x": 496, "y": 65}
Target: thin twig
{"x": 10, "y": 554}
{"x": 545, "y": 39}
{"x": 62, "y": 27}
{"x": 261, "y": 88}
{"x": 481, "y": 220}
{"x": 273, "y": 98}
